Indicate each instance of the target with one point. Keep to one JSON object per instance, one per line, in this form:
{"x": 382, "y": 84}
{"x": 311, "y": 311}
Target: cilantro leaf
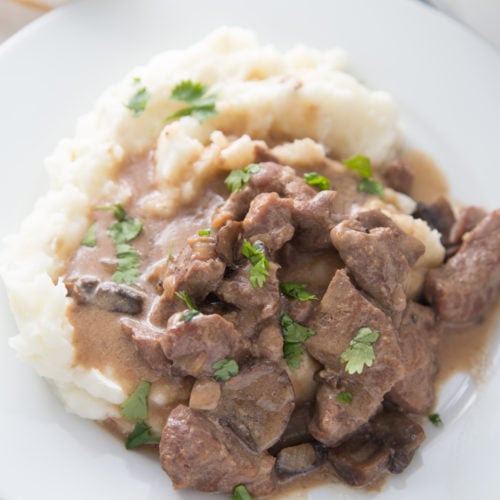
{"x": 317, "y": 180}
{"x": 260, "y": 265}
{"x": 294, "y": 336}
{"x": 240, "y": 492}
{"x": 187, "y": 300}
{"x": 360, "y": 351}
{"x": 140, "y": 435}
{"x": 344, "y": 397}
{"x": 297, "y": 291}
{"x": 372, "y": 187}
{"x": 224, "y": 369}
{"x": 89, "y": 240}
{"x": 205, "y": 232}
{"x": 127, "y": 270}
{"x": 238, "y": 177}
{"x": 201, "y": 105}
{"x": 435, "y": 418}
{"x": 125, "y": 230}
{"x": 135, "y": 407}
{"x": 189, "y": 315}
{"x": 360, "y": 164}
{"x": 137, "y": 103}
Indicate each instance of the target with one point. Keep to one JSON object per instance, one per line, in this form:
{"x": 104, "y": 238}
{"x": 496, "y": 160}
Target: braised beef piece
{"x": 269, "y": 219}
{"x": 269, "y": 343}
{"x": 108, "y": 295}
{"x": 418, "y": 337}
{"x": 398, "y": 176}
{"x": 342, "y": 311}
{"x": 468, "y": 218}
{"x": 378, "y": 254}
{"x": 194, "y": 344}
{"x": 469, "y": 282}
{"x": 147, "y": 342}
{"x": 197, "y": 452}
{"x": 439, "y": 215}
{"x": 298, "y": 460}
{"x": 386, "y": 444}
{"x": 256, "y": 404}
{"x": 229, "y": 241}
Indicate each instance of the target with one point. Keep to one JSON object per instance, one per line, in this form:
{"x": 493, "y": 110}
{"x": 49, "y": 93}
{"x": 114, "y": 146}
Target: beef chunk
{"x": 468, "y": 218}
{"x": 270, "y": 342}
{"x": 418, "y": 337}
{"x": 297, "y": 460}
{"x": 439, "y": 215}
{"x": 229, "y": 241}
{"x": 314, "y": 219}
{"x": 341, "y": 313}
{"x": 386, "y": 444}
{"x": 469, "y": 282}
{"x": 147, "y": 343}
{"x": 256, "y": 404}
{"x": 255, "y": 305}
{"x": 205, "y": 395}
{"x": 269, "y": 220}
{"x": 109, "y": 296}
{"x": 198, "y": 453}
{"x": 397, "y": 175}
{"x": 194, "y": 346}
{"x": 378, "y": 254}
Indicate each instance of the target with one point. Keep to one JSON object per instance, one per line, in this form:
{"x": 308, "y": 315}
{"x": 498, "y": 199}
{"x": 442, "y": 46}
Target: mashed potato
{"x": 301, "y": 98}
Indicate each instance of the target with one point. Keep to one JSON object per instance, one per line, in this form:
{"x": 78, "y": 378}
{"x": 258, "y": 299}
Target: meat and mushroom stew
{"x": 283, "y": 323}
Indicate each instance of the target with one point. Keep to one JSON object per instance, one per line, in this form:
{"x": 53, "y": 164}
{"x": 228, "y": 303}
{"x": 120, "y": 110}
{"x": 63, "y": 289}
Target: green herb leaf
{"x": 372, "y": 187}
{"x": 435, "y": 418}
{"x": 201, "y": 105}
{"x": 224, "y": 369}
{"x": 260, "y": 265}
{"x": 240, "y": 492}
{"x": 135, "y": 407}
{"x": 344, "y": 397}
{"x": 137, "y": 103}
{"x": 89, "y": 240}
{"x": 187, "y": 300}
{"x": 189, "y": 315}
{"x": 237, "y": 178}
{"x": 140, "y": 435}
{"x": 360, "y": 164}
{"x": 125, "y": 230}
{"x": 297, "y": 291}
{"x": 117, "y": 209}
{"x": 294, "y": 336}
{"x": 317, "y": 180}
{"x": 360, "y": 351}
{"x": 205, "y": 232}
{"x": 127, "y": 270}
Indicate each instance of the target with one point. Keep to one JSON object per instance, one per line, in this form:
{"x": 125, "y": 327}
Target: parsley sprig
{"x": 435, "y": 419}
{"x": 360, "y": 351}
{"x": 135, "y": 409}
{"x": 362, "y": 165}
{"x": 260, "y": 265}
{"x": 138, "y": 102}
{"x": 294, "y": 336}
{"x": 124, "y": 230}
{"x": 317, "y": 180}
{"x": 297, "y": 291}
{"x": 188, "y": 315}
{"x": 201, "y": 104}
{"x": 344, "y": 397}
{"x": 238, "y": 177}
{"x": 89, "y": 240}
{"x": 240, "y": 492}
{"x": 224, "y": 369}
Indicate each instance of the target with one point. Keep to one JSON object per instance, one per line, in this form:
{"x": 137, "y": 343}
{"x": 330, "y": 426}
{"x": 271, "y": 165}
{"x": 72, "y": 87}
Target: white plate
{"x": 448, "y": 85}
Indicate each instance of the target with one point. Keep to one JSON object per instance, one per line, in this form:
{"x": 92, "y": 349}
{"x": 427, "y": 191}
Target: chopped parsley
{"x": 360, "y": 351}
{"x": 435, "y": 418}
{"x": 237, "y": 178}
{"x": 297, "y": 291}
{"x": 224, "y": 369}
{"x": 135, "y": 407}
{"x": 89, "y": 240}
{"x": 140, "y": 435}
{"x": 205, "y": 232}
{"x": 317, "y": 180}
{"x": 122, "y": 231}
{"x": 344, "y": 397}
{"x": 255, "y": 254}
{"x": 371, "y": 186}
{"x": 137, "y": 103}
{"x": 362, "y": 165}
{"x": 240, "y": 492}
{"x": 201, "y": 105}
{"x": 294, "y": 336}
{"x": 188, "y": 315}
